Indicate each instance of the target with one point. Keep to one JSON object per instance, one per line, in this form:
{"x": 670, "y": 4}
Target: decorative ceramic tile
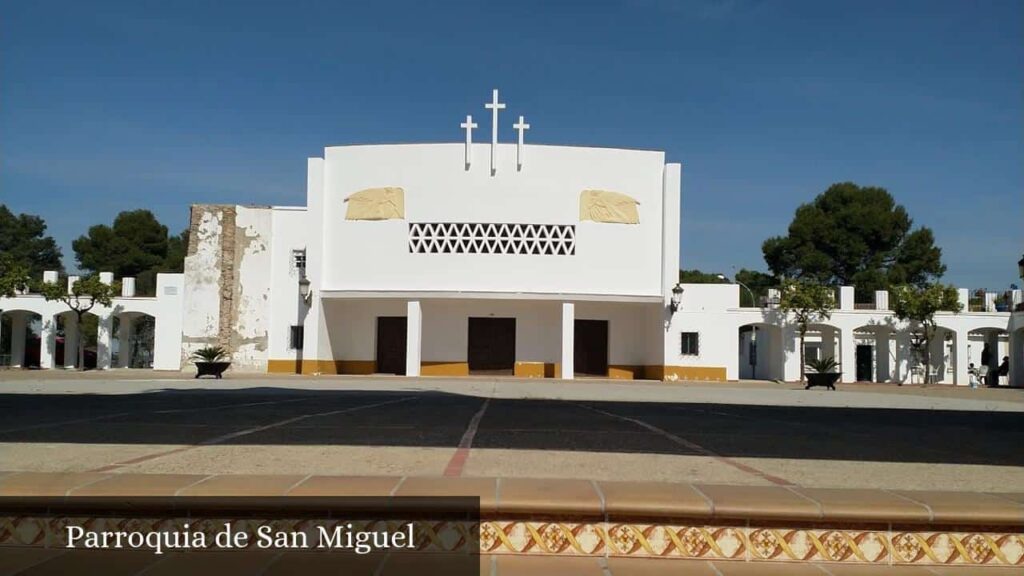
{"x": 633, "y": 540}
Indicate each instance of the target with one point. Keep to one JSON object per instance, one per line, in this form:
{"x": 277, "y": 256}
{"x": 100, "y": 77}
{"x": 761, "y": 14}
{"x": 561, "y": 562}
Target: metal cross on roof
{"x": 469, "y": 125}
{"x": 494, "y": 106}
{"x": 521, "y": 127}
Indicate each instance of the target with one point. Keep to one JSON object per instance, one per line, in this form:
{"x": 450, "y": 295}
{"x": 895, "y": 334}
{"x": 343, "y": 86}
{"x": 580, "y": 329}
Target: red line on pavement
{"x": 458, "y": 461}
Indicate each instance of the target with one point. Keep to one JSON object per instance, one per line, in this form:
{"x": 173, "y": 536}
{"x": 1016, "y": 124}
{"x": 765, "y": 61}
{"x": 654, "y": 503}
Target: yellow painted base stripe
{"x": 432, "y": 368}
{"x": 521, "y": 369}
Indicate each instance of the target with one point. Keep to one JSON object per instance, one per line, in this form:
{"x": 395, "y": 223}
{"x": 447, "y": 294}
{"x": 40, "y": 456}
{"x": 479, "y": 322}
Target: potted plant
{"x": 824, "y": 373}
{"x": 210, "y": 361}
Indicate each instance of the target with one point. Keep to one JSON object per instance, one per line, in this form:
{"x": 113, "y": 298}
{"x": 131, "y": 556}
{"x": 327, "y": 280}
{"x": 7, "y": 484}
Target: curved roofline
{"x": 499, "y": 143}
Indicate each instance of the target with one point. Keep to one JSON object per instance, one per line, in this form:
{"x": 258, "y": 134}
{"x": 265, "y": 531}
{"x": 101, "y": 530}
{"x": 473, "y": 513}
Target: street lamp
{"x": 752, "y": 353}
{"x": 677, "y": 298}
{"x": 753, "y": 301}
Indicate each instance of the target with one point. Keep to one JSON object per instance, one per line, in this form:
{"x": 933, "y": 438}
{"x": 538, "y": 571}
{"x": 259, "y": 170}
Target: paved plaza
{"x": 738, "y": 433}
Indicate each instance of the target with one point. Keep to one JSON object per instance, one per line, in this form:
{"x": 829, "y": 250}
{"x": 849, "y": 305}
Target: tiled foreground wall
{"x": 879, "y": 545}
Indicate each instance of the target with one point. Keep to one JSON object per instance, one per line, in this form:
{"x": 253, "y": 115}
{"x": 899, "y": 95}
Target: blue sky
{"x": 110, "y": 106}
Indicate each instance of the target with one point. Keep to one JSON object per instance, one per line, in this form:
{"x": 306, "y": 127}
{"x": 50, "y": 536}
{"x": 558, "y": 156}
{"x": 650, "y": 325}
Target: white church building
{"x": 515, "y": 259}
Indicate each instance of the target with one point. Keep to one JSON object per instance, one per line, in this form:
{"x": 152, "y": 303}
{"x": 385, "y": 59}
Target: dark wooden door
{"x": 492, "y": 345}
{"x": 590, "y": 347}
{"x": 391, "y": 334}
{"x": 864, "y": 361}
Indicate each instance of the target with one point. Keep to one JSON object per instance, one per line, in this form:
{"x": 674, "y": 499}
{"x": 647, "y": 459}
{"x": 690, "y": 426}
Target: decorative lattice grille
{"x": 469, "y": 238}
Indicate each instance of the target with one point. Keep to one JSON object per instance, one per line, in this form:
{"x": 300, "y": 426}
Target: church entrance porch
{"x": 499, "y": 336}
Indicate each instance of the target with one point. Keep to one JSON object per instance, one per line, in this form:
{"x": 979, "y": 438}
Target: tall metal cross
{"x": 469, "y": 125}
{"x": 520, "y": 127}
{"x": 494, "y": 106}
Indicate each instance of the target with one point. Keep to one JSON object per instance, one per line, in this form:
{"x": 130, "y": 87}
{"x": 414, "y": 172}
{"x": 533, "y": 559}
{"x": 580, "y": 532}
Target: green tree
{"x": 859, "y": 236}
{"x": 697, "y": 277}
{"x": 14, "y": 276}
{"x": 84, "y": 295}
{"x": 808, "y": 302}
{"x": 758, "y": 282}
{"x": 136, "y": 245}
{"x": 24, "y": 241}
{"x": 918, "y": 305}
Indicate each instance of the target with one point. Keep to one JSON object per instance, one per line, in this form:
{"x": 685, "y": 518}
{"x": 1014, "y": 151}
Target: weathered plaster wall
{"x": 250, "y": 306}
{"x": 227, "y": 286}
{"x": 201, "y": 322}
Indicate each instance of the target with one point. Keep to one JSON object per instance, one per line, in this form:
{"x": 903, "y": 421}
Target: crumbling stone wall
{"x": 227, "y": 283}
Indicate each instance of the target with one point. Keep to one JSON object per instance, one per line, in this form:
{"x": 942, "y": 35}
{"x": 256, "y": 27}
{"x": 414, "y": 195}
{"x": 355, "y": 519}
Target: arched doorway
{"x": 133, "y": 340}
{"x": 874, "y": 353}
{"x": 941, "y": 358}
{"x": 761, "y": 354}
{"x": 20, "y": 342}
{"x": 70, "y": 332}
{"x": 992, "y": 345}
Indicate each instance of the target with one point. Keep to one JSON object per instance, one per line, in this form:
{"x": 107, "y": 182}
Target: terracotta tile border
{"x": 567, "y": 498}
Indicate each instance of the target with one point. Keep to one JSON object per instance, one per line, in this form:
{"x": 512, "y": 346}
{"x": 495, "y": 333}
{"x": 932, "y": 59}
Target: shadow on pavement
{"x": 280, "y": 416}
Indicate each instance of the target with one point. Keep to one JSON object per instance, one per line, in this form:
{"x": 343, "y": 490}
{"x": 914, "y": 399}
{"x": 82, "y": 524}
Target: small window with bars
{"x": 299, "y": 259}
{"x": 690, "y": 345}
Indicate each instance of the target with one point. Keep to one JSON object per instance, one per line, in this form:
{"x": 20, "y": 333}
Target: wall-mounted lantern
{"x": 304, "y": 289}
{"x": 677, "y": 298}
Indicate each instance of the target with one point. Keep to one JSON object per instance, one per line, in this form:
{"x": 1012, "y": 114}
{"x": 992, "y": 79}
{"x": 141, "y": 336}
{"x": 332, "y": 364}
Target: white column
{"x": 848, "y": 352}
{"x": 1016, "y": 358}
{"x": 960, "y": 359}
{"x": 48, "y": 341}
{"x": 124, "y": 342}
{"x": 901, "y": 369}
{"x": 414, "y": 335}
{"x": 71, "y": 337}
{"x": 19, "y": 322}
{"x": 881, "y": 299}
{"x": 829, "y": 336}
{"x": 103, "y": 335}
{"x": 846, "y": 298}
{"x": 568, "y": 340}
{"x": 791, "y": 349}
{"x": 883, "y": 355}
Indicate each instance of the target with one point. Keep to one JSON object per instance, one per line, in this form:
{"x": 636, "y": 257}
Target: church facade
{"x": 448, "y": 259}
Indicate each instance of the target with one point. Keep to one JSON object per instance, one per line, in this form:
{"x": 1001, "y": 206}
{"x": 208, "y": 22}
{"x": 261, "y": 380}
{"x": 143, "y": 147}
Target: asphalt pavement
{"x": 275, "y": 429}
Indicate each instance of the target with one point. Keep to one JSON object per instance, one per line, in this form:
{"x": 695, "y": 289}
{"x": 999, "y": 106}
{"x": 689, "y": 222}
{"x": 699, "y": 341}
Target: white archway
{"x": 761, "y": 352}
{"x": 133, "y": 340}
{"x": 20, "y": 338}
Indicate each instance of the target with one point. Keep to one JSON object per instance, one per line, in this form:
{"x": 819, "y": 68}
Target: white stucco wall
{"x": 616, "y": 259}
{"x": 285, "y": 307}
{"x": 712, "y": 311}
{"x": 167, "y": 309}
